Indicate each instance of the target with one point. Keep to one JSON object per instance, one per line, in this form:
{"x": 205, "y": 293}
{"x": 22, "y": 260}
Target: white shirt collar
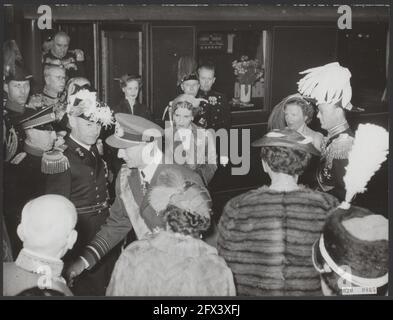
{"x": 87, "y": 147}
{"x": 150, "y": 169}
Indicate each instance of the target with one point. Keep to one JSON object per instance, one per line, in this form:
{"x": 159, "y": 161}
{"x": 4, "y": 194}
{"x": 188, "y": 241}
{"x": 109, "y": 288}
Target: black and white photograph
{"x": 195, "y": 150}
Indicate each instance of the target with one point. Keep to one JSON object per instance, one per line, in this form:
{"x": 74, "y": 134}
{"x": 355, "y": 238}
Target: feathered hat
{"x": 354, "y": 242}
{"x": 173, "y": 189}
{"x": 327, "y": 84}
{"x": 84, "y": 104}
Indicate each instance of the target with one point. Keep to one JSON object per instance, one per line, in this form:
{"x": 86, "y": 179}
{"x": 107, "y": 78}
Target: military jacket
{"x": 72, "y": 62}
{"x": 84, "y": 183}
{"x": 334, "y": 159}
{"x": 216, "y": 113}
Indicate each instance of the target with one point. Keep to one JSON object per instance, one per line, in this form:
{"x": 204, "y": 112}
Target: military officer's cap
{"x": 38, "y": 119}
{"x": 287, "y": 138}
{"x": 19, "y": 74}
{"x": 131, "y": 130}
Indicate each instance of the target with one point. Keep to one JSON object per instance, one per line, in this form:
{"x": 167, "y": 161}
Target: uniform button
{"x": 96, "y": 188}
{"x": 97, "y": 197}
{"x": 91, "y": 173}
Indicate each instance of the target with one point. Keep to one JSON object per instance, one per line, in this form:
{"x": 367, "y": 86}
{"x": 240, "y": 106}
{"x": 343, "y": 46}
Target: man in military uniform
{"x": 138, "y": 142}
{"x": 17, "y": 88}
{"x": 53, "y": 94}
{"x": 215, "y": 113}
{"x": 329, "y": 87}
{"x": 80, "y": 175}
{"x": 58, "y": 54}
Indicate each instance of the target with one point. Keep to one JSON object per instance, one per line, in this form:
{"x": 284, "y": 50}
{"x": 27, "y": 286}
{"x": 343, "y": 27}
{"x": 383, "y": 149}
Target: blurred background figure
{"x": 185, "y": 66}
{"x": 175, "y": 261}
{"x": 47, "y": 232}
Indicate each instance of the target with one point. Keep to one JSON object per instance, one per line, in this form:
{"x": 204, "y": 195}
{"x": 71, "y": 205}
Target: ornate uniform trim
{"x": 338, "y": 149}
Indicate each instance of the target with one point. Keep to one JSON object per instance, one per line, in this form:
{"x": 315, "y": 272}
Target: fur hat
{"x": 354, "y": 245}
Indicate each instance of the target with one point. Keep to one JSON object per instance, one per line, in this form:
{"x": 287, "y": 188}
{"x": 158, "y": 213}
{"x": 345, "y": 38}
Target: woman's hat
{"x": 287, "y": 138}
{"x": 173, "y": 189}
{"x": 354, "y": 245}
{"x": 191, "y": 76}
{"x": 83, "y": 103}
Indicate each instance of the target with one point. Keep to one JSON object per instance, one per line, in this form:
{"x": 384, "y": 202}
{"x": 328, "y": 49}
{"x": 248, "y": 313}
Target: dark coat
{"x": 84, "y": 183}
{"x": 216, "y": 113}
{"x": 139, "y": 109}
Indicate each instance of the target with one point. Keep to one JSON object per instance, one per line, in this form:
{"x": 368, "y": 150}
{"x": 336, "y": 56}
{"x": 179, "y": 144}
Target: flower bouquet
{"x": 247, "y": 73}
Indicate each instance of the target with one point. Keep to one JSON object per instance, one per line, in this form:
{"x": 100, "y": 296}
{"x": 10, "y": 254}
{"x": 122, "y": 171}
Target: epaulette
{"x": 339, "y": 148}
{"x": 54, "y": 161}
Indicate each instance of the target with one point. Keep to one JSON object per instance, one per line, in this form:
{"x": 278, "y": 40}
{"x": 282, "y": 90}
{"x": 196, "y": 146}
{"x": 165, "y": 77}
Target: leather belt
{"x": 98, "y": 208}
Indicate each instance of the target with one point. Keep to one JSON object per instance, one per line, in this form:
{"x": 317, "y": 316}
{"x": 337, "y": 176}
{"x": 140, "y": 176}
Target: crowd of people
{"x": 101, "y": 200}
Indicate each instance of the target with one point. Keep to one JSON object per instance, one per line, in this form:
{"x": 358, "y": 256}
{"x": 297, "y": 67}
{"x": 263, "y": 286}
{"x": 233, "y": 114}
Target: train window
{"x": 222, "y": 48}
{"x": 363, "y": 50}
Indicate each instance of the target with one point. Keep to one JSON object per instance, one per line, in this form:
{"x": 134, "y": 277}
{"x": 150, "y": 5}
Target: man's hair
{"x": 185, "y": 222}
{"x": 48, "y": 68}
{"x": 285, "y": 160}
{"x": 62, "y": 34}
{"x": 307, "y": 108}
{"x": 208, "y": 66}
{"x": 186, "y": 105}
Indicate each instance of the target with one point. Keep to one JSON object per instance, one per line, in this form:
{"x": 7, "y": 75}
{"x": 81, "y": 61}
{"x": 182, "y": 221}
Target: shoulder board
{"x": 53, "y": 162}
{"x": 340, "y": 147}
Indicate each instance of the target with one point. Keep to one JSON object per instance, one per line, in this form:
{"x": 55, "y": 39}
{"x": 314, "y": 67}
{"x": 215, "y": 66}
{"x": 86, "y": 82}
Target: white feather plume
{"x": 327, "y": 84}
{"x": 369, "y": 151}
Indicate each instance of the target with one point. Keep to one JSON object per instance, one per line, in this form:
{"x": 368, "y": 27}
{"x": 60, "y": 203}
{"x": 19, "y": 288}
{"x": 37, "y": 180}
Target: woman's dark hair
{"x": 37, "y": 292}
{"x": 285, "y": 160}
{"x": 185, "y": 222}
{"x": 185, "y": 105}
{"x": 307, "y": 108}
